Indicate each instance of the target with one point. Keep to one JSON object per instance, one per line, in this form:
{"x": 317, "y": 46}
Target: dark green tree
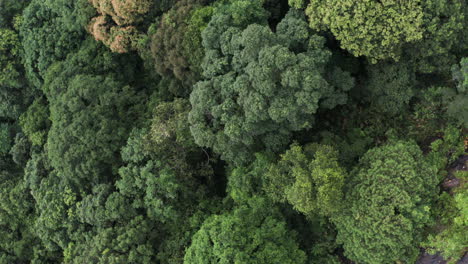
{"x": 17, "y": 239}
{"x": 50, "y": 30}
{"x": 261, "y": 85}
{"x": 92, "y": 109}
{"x": 9, "y": 9}
{"x": 165, "y": 179}
{"x": 456, "y": 99}
{"x": 12, "y": 84}
{"x": 35, "y": 122}
{"x": 390, "y": 86}
{"x": 169, "y": 43}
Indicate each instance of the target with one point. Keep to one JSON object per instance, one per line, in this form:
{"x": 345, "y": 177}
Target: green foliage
{"x": 5, "y": 138}
{"x": 165, "y": 175}
{"x": 113, "y": 158}
{"x": 451, "y": 241}
{"x": 49, "y": 31}
{"x": 35, "y": 122}
{"x": 170, "y": 43}
{"x": 381, "y": 30}
{"x": 17, "y": 240}
{"x": 192, "y": 42}
{"x": 390, "y": 87}
{"x": 129, "y": 243}
{"x": 55, "y": 203}
{"x": 296, "y": 3}
{"x": 91, "y": 110}
{"x": 444, "y": 36}
{"x": 9, "y": 53}
{"x": 20, "y": 150}
{"x": 446, "y": 150}
{"x": 350, "y": 146}
{"x": 309, "y": 178}
{"x": 388, "y": 204}
{"x": 251, "y": 233}
{"x": 11, "y": 80}
{"x": 169, "y": 125}
{"x": 457, "y": 99}
{"x": 428, "y": 114}
{"x": 246, "y": 182}
{"x": 375, "y": 29}
{"x": 260, "y": 86}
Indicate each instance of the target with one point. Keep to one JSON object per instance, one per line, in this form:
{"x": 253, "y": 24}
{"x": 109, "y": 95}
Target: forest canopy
{"x": 233, "y": 131}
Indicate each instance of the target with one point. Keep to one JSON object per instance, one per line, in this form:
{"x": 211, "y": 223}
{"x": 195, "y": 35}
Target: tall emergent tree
{"x": 388, "y": 205}
{"x": 49, "y": 31}
{"x": 260, "y": 85}
{"x": 91, "y": 109}
{"x": 381, "y": 30}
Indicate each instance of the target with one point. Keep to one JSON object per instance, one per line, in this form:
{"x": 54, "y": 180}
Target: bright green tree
{"x": 252, "y": 233}
{"x": 453, "y": 214}
{"x": 388, "y": 205}
{"x": 428, "y": 30}
{"x": 309, "y": 178}
{"x": 375, "y": 29}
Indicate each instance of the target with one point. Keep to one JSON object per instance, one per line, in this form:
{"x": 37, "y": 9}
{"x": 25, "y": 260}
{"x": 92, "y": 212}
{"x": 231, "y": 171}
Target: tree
{"x": 9, "y": 9}
{"x": 309, "y": 178}
{"x": 453, "y": 216}
{"x": 17, "y": 238}
{"x": 169, "y": 43}
{"x": 252, "y": 233}
{"x": 121, "y": 25}
{"x": 260, "y": 85}
{"x": 388, "y": 204}
{"x": 390, "y": 87}
{"x": 55, "y": 202}
{"x": 118, "y": 235}
{"x": 12, "y": 84}
{"x": 382, "y": 30}
{"x": 247, "y": 182}
{"x": 5, "y": 138}
{"x": 168, "y": 178}
{"x": 444, "y": 39}
{"x": 50, "y": 30}
{"x": 369, "y": 28}
{"x": 35, "y": 122}
{"x": 91, "y": 109}
{"x": 457, "y": 99}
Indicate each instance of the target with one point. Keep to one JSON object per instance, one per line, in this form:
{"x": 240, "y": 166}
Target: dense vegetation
{"x": 233, "y": 131}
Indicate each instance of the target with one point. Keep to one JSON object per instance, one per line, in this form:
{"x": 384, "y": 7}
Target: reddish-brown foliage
{"x": 115, "y": 24}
